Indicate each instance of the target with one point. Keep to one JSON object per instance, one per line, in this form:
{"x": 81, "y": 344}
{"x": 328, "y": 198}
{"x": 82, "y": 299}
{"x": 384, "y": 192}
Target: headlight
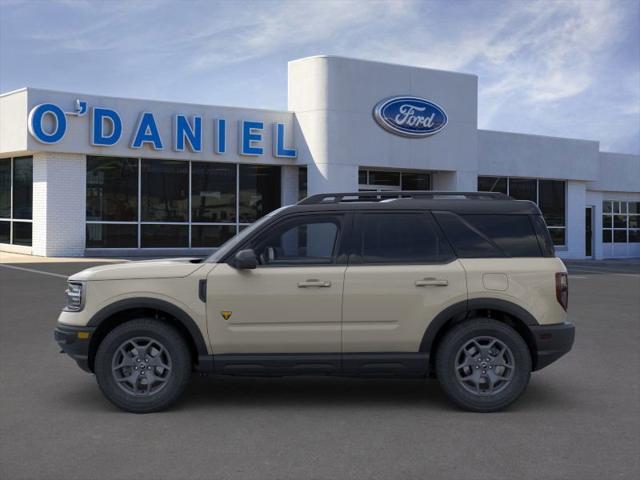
{"x": 75, "y": 297}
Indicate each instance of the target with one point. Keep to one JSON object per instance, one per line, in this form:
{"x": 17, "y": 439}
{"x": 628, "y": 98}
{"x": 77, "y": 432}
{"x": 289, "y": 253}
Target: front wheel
{"x": 143, "y": 365}
{"x": 483, "y": 365}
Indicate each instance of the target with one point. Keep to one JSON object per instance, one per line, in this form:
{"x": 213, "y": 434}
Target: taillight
{"x": 562, "y": 289}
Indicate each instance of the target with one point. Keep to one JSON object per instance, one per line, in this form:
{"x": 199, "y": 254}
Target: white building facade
{"x": 86, "y": 175}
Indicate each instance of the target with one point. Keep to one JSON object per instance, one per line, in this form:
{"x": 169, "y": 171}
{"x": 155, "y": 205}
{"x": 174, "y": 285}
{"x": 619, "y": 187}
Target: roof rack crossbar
{"x": 321, "y": 198}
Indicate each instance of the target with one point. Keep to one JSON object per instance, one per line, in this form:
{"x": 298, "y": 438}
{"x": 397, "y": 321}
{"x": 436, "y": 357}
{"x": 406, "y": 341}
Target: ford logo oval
{"x": 410, "y": 116}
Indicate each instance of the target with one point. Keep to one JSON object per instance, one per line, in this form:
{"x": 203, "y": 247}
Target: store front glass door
{"x": 588, "y": 231}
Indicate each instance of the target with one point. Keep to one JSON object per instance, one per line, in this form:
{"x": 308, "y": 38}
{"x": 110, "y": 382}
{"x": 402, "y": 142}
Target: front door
{"x": 401, "y": 276}
{"x": 291, "y": 302}
{"x": 588, "y": 232}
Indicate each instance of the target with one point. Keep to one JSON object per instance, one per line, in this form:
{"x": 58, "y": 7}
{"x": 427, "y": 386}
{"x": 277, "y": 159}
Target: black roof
{"x": 457, "y": 202}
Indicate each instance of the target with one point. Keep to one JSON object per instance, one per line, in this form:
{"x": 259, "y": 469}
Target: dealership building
{"x": 88, "y": 175}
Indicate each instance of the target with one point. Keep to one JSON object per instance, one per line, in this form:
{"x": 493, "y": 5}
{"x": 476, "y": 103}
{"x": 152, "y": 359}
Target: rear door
{"x": 401, "y": 274}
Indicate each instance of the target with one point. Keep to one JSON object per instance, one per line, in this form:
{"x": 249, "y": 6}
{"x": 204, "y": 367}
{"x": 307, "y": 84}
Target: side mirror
{"x": 245, "y": 260}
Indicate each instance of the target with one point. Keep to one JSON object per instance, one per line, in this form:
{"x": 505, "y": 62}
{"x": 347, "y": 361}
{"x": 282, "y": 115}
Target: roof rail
{"x": 399, "y": 194}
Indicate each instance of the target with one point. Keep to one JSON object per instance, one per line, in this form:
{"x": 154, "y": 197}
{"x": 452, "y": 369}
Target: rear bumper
{"x": 74, "y": 341}
{"x": 552, "y": 342}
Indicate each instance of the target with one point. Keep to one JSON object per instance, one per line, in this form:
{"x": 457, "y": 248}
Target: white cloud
{"x": 292, "y": 24}
{"x": 551, "y": 57}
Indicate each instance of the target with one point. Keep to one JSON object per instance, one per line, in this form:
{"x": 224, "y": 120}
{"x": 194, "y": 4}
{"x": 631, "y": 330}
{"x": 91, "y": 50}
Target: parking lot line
{"x": 41, "y": 272}
{"x": 601, "y": 271}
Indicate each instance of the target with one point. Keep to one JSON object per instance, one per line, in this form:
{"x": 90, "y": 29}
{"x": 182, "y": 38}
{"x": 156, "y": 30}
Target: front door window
{"x": 300, "y": 242}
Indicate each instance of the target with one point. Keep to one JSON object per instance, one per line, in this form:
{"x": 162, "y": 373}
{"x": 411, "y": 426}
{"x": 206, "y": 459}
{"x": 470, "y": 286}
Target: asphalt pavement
{"x": 579, "y": 418}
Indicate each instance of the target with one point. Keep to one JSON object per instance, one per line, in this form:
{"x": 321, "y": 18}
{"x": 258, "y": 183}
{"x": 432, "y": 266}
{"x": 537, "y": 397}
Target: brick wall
{"x": 59, "y": 186}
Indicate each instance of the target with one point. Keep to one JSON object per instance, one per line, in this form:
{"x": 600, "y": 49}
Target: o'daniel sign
{"x": 408, "y": 116}
{"x": 48, "y": 123}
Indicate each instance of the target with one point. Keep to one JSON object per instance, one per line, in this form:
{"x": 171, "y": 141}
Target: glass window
{"x": 213, "y": 192}
{"x": 620, "y": 221}
{"x": 305, "y": 241}
{"x": 23, "y": 188}
{"x": 259, "y": 191}
{"x": 620, "y": 236}
{"x": 22, "y": 233}
{"x": 211, "y": 235}
{"x": 492, "y": 184}
{"x": 514, "y": 234}
{"x": 112, "y": 189}
{"x": 416, "y": 181}
{"x": 5, "y": 188}
{"x": 523, "y": 188}
{"x": 624, "y": 220}
{"x": 164, "y": 236}
{"x": 381, "y": 177}
{"x": 400, "y": 180}
{"x": 112, "y": 235}
{"x": 552, "y": 202}
{"x": 5, "y": 231}
{"x": 16, "y": 178}
{"x": 466, "y": 241}
{"x": 165, "y": 188}
{"x": 616, "y": 207}
{"x": 401, "y": 238}
{"x": 548, "y": 194}
{"x": 302, "y": 182}
{"x": 544, "y": 237}
{"x": 557, "y": 235}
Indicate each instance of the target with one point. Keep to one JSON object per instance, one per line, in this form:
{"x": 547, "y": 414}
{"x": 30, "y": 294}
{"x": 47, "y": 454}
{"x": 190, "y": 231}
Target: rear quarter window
{"x": 544, "y": 237}
{"x": 487, "y": 235}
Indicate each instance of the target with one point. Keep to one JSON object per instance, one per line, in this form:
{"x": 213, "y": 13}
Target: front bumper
{"x": 74, "y": 341}
{"x": 552, "y": 342}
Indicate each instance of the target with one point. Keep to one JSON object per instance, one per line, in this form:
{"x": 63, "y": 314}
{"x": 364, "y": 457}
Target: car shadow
{"x": 317, "y": 392}
{"x": 285, "y": 392}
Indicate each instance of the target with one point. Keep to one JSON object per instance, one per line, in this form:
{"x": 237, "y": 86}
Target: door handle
{"x": 314, "y": 283}
{"x": 432, "y": 282}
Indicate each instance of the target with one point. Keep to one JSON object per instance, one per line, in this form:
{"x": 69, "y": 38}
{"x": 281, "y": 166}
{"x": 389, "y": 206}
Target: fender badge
{"x": 226, "y": 314}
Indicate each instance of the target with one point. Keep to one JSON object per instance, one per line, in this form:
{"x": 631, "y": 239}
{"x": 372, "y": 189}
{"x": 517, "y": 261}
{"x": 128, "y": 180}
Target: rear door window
{"x": 400, "y": 238}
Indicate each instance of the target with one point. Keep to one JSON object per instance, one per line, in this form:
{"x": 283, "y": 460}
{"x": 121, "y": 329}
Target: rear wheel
{"x": 483, "y": 365}
{"x": 143, "y": 365}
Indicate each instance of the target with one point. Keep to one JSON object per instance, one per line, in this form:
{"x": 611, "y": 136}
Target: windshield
{"x": 230, "y": 244}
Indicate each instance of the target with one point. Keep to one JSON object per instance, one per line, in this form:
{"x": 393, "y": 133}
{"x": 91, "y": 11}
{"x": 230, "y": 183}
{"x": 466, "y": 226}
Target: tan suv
{"x": 461, "y": 286}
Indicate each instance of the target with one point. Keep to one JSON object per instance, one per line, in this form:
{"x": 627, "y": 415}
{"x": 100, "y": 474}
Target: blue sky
{"x": 564, "y": 68}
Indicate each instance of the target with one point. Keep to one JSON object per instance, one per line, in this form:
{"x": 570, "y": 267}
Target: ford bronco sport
{"x": 461, "y": 286}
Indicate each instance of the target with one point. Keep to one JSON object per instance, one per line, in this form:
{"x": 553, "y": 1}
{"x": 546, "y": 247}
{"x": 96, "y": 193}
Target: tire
{"x": 143, "y": 365}
{"x": 483, "y": 382}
